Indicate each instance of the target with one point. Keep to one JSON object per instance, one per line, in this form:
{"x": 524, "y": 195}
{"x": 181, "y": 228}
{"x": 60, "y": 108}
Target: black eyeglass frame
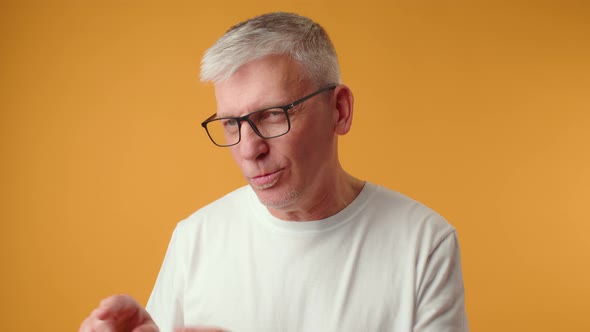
{"x": 246, "y": 117}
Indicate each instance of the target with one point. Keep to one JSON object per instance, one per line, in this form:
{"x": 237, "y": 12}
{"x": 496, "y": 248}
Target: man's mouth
{"x": 265, "y": 181}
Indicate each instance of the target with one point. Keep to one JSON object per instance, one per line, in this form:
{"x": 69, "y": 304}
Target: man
{"x": 306, "y": 246}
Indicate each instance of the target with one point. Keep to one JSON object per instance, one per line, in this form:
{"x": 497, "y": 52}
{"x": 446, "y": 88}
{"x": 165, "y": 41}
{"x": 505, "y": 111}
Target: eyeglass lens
{"x": 269, "y": 123}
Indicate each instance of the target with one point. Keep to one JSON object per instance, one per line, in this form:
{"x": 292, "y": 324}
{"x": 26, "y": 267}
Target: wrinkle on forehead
{"x": 274, "y": 80}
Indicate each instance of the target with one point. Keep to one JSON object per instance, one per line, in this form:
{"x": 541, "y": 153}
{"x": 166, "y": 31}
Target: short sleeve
{"x": 165, "y": 303}
{"x": 440, "y": 302}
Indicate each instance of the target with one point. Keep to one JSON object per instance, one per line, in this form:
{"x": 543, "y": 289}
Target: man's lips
{"x": 265, "y": 181}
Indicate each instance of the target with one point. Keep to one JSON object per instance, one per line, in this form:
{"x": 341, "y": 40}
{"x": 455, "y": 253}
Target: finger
{"x": 116, "y": 304}
{"x": 84, "y": 325}
{"x": 102, "y": 326}
{"x": 147, "y": 328}
{"x": 94, "y": 324}
{"x": 199, "y": 329}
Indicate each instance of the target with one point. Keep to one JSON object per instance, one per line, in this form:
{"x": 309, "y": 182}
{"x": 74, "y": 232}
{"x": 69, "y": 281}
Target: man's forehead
{"x": 261, "y": 83}
{"x": 237, "y": 102}
{"x": 278, "y": 67}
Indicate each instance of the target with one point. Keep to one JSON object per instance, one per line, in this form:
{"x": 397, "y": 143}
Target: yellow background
{"x": 480, "y": 109}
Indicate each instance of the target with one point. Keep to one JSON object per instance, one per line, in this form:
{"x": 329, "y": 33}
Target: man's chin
{"x": 276, "y": 199}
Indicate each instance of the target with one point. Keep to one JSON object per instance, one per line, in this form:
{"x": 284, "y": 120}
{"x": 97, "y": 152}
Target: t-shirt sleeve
{"x": 440, "y": 302}
{"x": 165, "y": 303}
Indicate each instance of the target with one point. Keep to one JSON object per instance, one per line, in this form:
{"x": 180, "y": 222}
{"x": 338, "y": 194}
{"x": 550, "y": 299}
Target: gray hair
{"x": 275, "y": 33}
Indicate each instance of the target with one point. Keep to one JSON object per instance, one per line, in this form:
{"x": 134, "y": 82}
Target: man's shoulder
{"x": 405, "y": 213}
{"x": 228, "y": 206}
{"x": 395, "y": 202}
{"x": 236, "y": 198}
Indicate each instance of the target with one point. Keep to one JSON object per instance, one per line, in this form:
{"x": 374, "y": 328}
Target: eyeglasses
{"x": 270, "y": 122}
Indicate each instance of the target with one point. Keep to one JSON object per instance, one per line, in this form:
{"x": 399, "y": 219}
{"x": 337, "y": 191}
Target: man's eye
{"x": 230, "y": 122}
{"x": 272, "y": 115}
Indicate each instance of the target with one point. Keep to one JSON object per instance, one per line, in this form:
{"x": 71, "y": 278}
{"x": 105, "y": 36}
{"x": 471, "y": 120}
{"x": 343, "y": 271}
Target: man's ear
{"x": 344, "y": 106}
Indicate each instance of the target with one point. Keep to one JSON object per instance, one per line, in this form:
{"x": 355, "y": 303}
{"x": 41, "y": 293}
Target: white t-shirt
{"x": 383, "y": 263}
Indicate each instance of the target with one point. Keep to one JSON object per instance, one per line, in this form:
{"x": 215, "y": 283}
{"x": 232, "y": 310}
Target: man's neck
{"x": 327, "y": 203}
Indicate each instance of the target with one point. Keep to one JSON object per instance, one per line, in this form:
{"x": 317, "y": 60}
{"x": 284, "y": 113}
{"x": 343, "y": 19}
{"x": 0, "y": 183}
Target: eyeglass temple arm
{"x": 204, "y": 123}
{"x": 328, "y": 87}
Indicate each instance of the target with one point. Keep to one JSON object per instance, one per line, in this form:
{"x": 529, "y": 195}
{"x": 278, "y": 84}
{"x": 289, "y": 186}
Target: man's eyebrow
{"x": 227, "y": 114}
{"x": 224, "y": 114}
{"x": 283, "y": 104}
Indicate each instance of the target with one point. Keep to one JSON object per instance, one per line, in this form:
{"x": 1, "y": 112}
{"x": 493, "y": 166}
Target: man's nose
{"x": 251, "y": 145}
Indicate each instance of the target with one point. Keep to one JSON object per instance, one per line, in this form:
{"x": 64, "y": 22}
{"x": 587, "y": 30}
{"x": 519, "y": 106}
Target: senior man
{"x": 305, "y": 246}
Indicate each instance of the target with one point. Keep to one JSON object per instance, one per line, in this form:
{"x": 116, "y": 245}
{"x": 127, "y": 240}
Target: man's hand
{"x": 198, "y": 329}
{"x": 119, "y": 313}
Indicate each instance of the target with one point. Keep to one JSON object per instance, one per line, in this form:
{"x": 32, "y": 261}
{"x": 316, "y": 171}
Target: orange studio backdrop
{"x": 481, "y": 110}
